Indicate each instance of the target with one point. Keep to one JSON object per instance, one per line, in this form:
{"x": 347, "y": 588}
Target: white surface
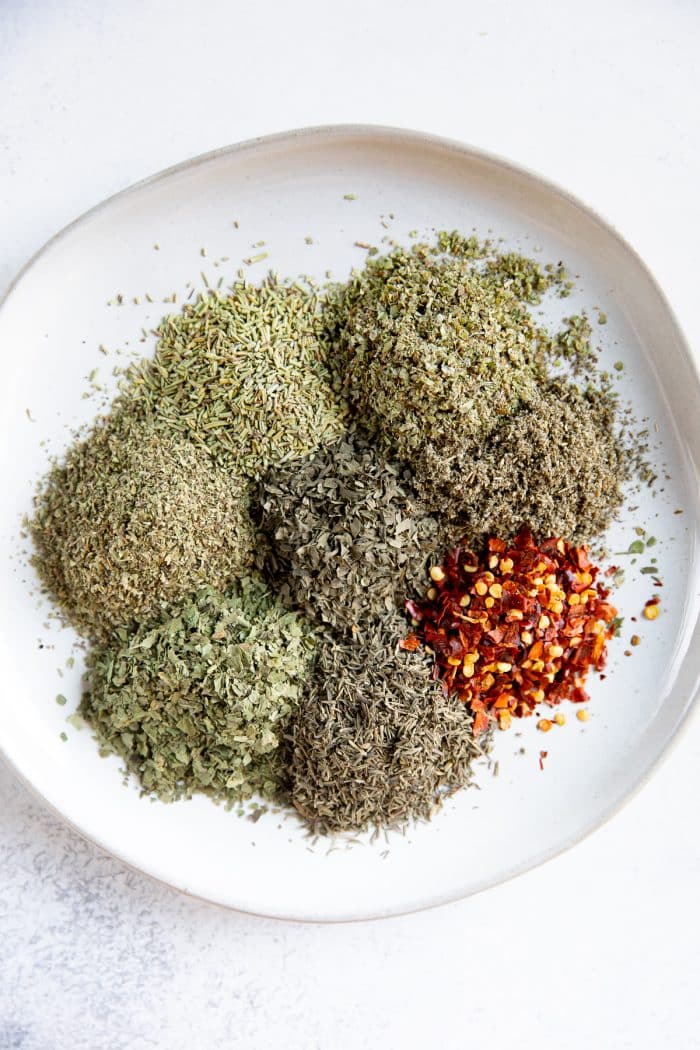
{"x": 282, "y": 188}
{"x": 600, "y": 946}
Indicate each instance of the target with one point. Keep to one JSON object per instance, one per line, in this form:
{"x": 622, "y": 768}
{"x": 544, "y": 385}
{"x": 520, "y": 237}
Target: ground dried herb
{"x": 133, "y": 519}
{"x": 243, "y": 374}
{"x": 374, "y": 741}
{"x": 556, "y": 465}
{"x": 347, "y": 537}
{"x": 198, "y": 700}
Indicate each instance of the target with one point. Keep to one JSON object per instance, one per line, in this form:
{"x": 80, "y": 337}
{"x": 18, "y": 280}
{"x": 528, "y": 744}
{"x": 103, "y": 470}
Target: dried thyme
{"x": 375, "y": 742}
{"x": 133, "y": 519}
{"x": 348, "y": 540}
{"x": 198, "y": 700}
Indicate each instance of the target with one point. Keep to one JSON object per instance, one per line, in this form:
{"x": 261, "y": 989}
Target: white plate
{"x": 280, "y": 190}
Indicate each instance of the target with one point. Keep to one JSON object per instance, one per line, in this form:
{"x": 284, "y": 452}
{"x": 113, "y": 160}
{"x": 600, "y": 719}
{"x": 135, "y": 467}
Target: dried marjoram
{"x": 133, "y": 519}
{"x": 348, "y": 540}
{"x": 519, "y": 627}
{"x": 375, "y": 742}
{"x": 243, "y": 374}
{"x": 198, "y": 700}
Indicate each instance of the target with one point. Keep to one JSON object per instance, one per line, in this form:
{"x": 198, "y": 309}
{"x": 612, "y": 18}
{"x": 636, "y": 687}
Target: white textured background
{"x": 600, "y": 947}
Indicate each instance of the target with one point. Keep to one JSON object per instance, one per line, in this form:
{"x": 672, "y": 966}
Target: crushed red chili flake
{"x": 521, "y": 626}
{"x": 543, "y": 755}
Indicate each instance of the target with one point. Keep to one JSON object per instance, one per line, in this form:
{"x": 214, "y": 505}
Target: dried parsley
{"x": 197, "y": 700}
{"x": 133, "y": 519}
{"x": 375, "y": 741}
{"x": 348, "y": 539}
{"x": 243, "y": 374}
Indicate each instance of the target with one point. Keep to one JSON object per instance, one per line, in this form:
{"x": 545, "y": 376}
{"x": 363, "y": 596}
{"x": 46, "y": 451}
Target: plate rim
{"x": 466, "y": 151}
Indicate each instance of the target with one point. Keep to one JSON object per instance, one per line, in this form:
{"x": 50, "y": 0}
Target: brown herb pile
{"x": 133, "y": 520}
{"x": 375, "y": 741}
{"x": 348, "y": 540}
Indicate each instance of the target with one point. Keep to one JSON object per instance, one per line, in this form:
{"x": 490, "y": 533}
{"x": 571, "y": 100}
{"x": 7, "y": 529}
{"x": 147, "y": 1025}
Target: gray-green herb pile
{"x": 239, "y": 534}
{"x": 200, "y": 698}
{"x": 375, "y": 741}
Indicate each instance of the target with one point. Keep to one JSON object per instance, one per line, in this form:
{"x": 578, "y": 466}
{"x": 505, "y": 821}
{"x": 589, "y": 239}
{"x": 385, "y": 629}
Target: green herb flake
{"x": 61, "y": 700}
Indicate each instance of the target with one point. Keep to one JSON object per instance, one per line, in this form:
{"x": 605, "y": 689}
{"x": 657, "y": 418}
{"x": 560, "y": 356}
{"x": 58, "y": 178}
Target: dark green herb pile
{"x": 377, "y": 421}
{"x": 348, "y": 541}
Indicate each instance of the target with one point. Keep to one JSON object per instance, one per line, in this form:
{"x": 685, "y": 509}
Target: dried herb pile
{"x": 429, "y": 349}
{"x": 199, "y": 699}
{"x": 375, "y": 741}
{"x": 243, "y": 374}
{"x": 347, "y": 538}
{"x": 557, "y": 465}
{"x": 133, "y": 520}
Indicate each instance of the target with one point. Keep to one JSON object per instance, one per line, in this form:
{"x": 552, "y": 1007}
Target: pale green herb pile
{"x": 199, "y": 699}
{"x": 243, "y": 375}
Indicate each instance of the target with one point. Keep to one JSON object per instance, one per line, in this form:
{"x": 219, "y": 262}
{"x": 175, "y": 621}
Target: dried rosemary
{"x": 197, "y": 700}
{"x": 243, "y": 375}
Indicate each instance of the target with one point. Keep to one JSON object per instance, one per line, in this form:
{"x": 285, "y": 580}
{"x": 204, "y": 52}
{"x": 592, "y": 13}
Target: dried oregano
{"x": 243, "y": 374}
{"x": 199, "y": 699}
{"x": 375, "y": 741}
{"x": 132, "y": 519}
{"x": 348, "y": 539}
{"x": 431, "y": 349}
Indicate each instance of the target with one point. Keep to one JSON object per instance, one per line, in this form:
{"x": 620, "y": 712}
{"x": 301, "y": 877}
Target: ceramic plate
{"x": 282, "y": 190}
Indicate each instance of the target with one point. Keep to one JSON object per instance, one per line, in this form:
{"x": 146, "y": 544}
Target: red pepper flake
{"x": 521, "y": 626}
{"x": 543, "y": 755}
